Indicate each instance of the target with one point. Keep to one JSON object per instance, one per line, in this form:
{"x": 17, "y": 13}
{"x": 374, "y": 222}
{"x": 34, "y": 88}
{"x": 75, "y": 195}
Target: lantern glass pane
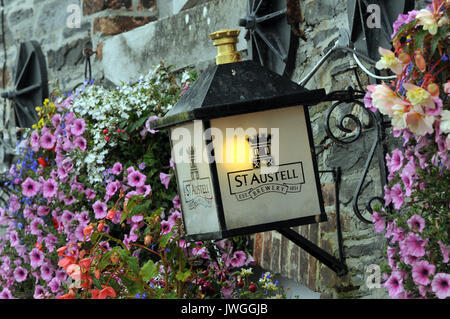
{"x": 267, "y": 173}
{"x": 194, "y": 179}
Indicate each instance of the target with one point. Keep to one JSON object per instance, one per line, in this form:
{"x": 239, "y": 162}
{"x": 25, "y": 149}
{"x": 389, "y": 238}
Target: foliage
{"x": 95, "y": 211}
{"x": 419, "y": 172}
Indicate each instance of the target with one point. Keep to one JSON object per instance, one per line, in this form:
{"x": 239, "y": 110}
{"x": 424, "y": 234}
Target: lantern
{"x": 243, "y": 150}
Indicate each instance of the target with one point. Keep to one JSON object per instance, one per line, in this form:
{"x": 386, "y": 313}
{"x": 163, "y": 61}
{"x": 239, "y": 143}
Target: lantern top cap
{"x": 225, "y": 41}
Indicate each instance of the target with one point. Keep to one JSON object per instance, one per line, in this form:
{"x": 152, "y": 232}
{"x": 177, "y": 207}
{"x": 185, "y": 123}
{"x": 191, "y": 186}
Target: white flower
{"x": 445, "y": 121}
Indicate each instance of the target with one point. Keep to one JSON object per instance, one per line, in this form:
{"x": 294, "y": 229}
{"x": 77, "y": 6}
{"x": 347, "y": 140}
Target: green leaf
{"x": 183, "y": 276}
{"x": 104, "y": 261}
{"x": 149, "y": 270}
{"x": 434, "y": 43}
{"x": 418, "y": 38}
{"x": 164, "y": 239}
{"x": 133, "y": 263}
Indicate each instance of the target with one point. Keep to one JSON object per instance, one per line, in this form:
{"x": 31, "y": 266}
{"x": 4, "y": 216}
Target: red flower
{"x": 70, "y": 295}
{"x": 42, "y": 162}
{"x": 105, "y": 292}
{"x": 252, "y": 287}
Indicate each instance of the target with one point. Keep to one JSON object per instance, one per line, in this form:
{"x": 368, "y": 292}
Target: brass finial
{"x": 225, "y": 41}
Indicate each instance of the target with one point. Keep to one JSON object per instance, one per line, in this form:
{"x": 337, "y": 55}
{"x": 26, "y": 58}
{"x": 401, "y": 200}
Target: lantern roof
{"x": 235, "y": 88}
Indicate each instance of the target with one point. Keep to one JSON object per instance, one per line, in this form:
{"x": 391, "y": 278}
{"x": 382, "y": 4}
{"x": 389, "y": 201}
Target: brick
{"x": 146, "y": 5}
{"x": 276, "y": 247}
{"x": 94, "y": 6}
{"x": 119, "y": 24}
{"x": 267, "y": 250}
{"x": 258, "y": 248}
{"x": 328, "y": 195}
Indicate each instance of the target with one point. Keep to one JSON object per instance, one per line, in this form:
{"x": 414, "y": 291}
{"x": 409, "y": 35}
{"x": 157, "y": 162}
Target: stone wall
{"x": 130, "y": 36}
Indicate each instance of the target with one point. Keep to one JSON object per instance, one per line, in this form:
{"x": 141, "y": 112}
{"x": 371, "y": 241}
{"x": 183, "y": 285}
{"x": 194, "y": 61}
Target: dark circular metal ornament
{"x": 30, "y": 84}
{"x": 269, "y": 35}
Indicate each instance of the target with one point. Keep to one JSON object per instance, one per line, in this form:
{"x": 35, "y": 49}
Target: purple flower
{"x": 49, "y": 188}
{"x": 47, "y": 141}
{"x": 441, "y": 285}
{"x": 36, "y": 258}
{"x": 39, "y": 292}
{"x": 54, "y": 285}
{"x": 421, "y": 271}
{"x": 67, "y": 216}
{"x": 174, "y": 216}
{"x": 394, "y": 284}
{"x": 165, "y": 179}
{"x": 90, "y": 194}
{"x": 30, "y": 187}
{"x": 78, "y": 127}
{"x": 56, "y": 119}
{"x": 46, "y": 272}
{"x": 403, "y": 19}
{"x": 395, "y": 162}
{"x": 43, "y": 211}
{"x": 397, "y": 196}
{"x": 117, "y": 168}
{"x": 136, "y": 179}
{"x": 34, "y": 226}
{"x": 20, "y": 274}
{"x": 100, "y": 209}
{"x": 141, "y": 166}
{"x": 368, "y": 102}
{"x": 80, "y": 141}
{"x": 144, "y": 190}
{"x": 416, "y": 223}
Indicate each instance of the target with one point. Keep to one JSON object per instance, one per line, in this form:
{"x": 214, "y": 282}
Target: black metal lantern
{"x": 243, "y": 151}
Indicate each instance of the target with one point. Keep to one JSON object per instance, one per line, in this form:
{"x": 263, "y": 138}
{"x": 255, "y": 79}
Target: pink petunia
{"x": 80, "y": 141}
{"x": 413, "y": 245}
{"x": 147, "y": 124}
{"x": 394, "y": 284}
{"x": 421, "y": 272}
{"x": 100, "y": 209}
{"x": 117, "y": 168}
{"x": 445, "y": 251}
{"x": 238, "y": 259}
{"x": 78, "y": 127}
{"x": 36, "y": 258}
{"x": 136, "y": 179}
{"x": 166, "y": 227}
{"x": 30, "y": 187}
{"x": 441, "y": 285}
{"x": 49, "y": 188}
{"x": 395, "y": 162}
{"x": 47, "y": 141}
{"x": 165, "y": 179}
{"x": 379, "y": 222}
{"x": 34, "y": 141}
{"x": 397, "y": 196}
{"x": 20, "y": 274}
{"x": 416, "y": 223}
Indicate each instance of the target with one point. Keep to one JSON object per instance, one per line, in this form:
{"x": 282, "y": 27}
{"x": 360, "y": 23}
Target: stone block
{"x": 94, "y": 6}
{"x": 258, "y": 248}
{"x": 276, "y": 248}
{"x": 119, "y": 24}
{"x": 267, "y": 250}
{"x": 147, "y": 5}
{"x": 328, "y": 194}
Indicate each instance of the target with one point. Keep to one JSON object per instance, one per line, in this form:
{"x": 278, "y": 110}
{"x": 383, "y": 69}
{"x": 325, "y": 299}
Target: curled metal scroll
{"x": 352, "y": 96}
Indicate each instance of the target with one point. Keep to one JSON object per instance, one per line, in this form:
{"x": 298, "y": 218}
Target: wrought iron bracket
{"x": 335, "y": 264}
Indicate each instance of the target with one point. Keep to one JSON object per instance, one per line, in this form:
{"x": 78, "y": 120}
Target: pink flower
{"x": 397, "y": 196}
{"x": 34, "y": 141}
{"x": 117, "y": 168}
{"x": 445, "y": 251}
{"x": 136, "y": 179}
{"x": 418, "y": 122}
{"x": 49, "y": 188}
{"x": 30, "y": 187}
{"x": 36, "y": 258}
{"x": 90, "y": 194}
{"x": 421, "y": 271}
{"x": 395, "y": 162}
{"x": 413, "y": 245}
{"x": 238, "y": 259}
{"x": 56, "y": 119}
{"x": 165, "y": 179}
{"x": 47, "y": 141}
{"x": 20, "y": 274}
{"x": 80, "y": 141}
{"x": 395, "y": 284}
{"x": 403, "y": 19}
{"x": 100, "y": 209}
{"x": 147, "y": 124}
{"x": 112, "y": 188}
{"x": 416, "y": 223}
{"x": 166, "y": 227}
{"x": 176, "y": 202}
{"x": 379, "y": 222}
{"x": 78, "y": 127}
{"x": 441, "y": 285}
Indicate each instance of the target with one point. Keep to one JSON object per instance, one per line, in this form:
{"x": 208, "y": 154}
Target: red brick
{"x": 94, "y": 6}
{"x": 257, "y": 248}
{"x": 119, "y": 24}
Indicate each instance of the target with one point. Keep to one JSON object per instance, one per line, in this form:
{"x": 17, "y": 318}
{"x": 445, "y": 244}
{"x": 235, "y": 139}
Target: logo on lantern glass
{"x": 252, "y": 183}
{"x": 198, "y": 191}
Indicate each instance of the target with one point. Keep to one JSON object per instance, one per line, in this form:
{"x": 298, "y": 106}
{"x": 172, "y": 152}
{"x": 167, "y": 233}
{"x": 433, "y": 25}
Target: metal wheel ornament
{"x": 269, "y": 36}
{"x": 30, "y": 84}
